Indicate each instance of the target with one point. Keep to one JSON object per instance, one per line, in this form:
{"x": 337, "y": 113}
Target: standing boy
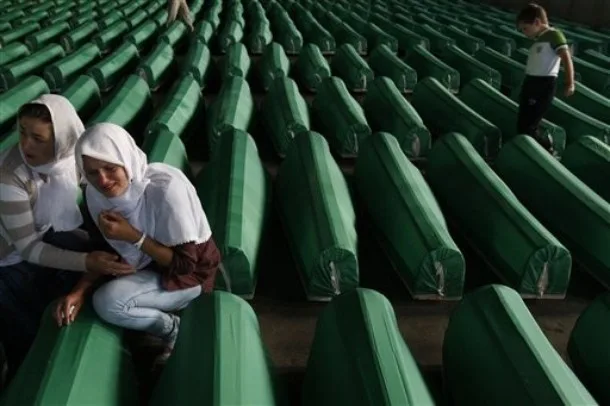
{"x": 549, "y": 49}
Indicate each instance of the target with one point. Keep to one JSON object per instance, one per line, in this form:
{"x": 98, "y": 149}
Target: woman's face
{"x": 109, "y": 179}
{"x": 36, "y": 140}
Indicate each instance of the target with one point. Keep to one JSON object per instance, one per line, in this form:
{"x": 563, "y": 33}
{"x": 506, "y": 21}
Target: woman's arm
{"x": 17, "y": 224}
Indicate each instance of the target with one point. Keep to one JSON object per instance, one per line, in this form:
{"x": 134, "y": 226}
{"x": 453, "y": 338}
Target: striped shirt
{"x": 20, "y": 236}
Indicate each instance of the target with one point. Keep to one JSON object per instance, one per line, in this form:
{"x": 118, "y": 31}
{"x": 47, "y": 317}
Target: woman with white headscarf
{"x": 39, "y": 188}
{"x": 151, "y": 215}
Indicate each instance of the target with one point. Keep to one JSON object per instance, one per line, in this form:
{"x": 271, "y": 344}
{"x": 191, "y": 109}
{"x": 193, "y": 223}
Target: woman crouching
{"x": 151, "y": 215}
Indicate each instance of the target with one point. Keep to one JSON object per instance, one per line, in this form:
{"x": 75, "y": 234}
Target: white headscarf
{"x": 160, "y": 201}
{"x": 56, "y": 205}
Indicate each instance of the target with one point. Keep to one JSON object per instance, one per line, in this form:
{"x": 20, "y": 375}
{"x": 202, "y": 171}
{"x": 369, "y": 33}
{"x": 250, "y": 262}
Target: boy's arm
{"x": 566, "y": 60}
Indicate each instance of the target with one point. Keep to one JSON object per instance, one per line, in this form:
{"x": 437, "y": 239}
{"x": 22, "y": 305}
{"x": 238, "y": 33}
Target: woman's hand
{"x": 104, "y": 263}
{"x": 68, "y": 307}
{"x": 116, "y": 227}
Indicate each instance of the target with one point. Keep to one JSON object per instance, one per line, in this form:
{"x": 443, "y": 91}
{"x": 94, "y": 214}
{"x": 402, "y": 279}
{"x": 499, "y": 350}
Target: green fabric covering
{"x": 46, "y": 36}
{"x": 274, "y": 64}
{"x": 236, "y": 61}
{"x": 163, "y": 146}
{"x": 438, "y": 41}
{"x": 232, "y": 109}
{"x": 387, "y": 110}
{"x": 77, "y": 37}
{"x": 156, "y": 66}
{"x": 502, "y": 112}
{"x": 288, "y": 35}
{"x": 234, "y": 190}
{"x": 384, "y": 62}
{"x": 12, "y": 100}
{"x": 376, "y": 36}
{"x": 84, "y": 94}
{"x": 219, "y": 359}
{"x": 82, "y": 19}
{"x": 588, "y": 348}
{"x": 109, "y": 37}
{"x": 512, "y": 71}
{"x": 197, "y": 62}
{"x": 352, "y": 68}
{"x": 501, "y": 44}
{"x": 468, "y": 42}
{"x": 312, "y": 67}
{"x": 142, "y": 35}
{"x": 182, "y": 112}
{"x": 588, "y": 102}
{"x": 113, "y": 68}
{"x": 318, "y": 217}
{"x": 416, "y": 236}
{"x": 204, "y": 31}
{"x": 110, "y": 18}
{"x": 284, "y": 113}
{"x": 344, "y": 34}
{"x": 231, "y": 34}
{"x": 522, "y": 252}
{"x": 13, "y": 52}
{"x": 129, "y": 106}
{"x": 339, "y": 116}
{"x": 594, "y": 76}
{"x": 425, "y": 62}
{"x": 358, "y": 357}
{"x": 174, "y": 33}
{"x": 589, "y": 159}
{"x": 81, "y": 364}
{"x": 581, "y": 221}
{"x": 406, "y": 38}
{"x": 494, "y": 353}
{"x": 576, "y": 123}
{"x": 62, "y": 72}
{"x": 443, "y": 112}
{"x": 470, "y": 67}
{"x": 34, "y": 64}
{"x": 260, "y": 35}
{"x": 595, "y": 57}
{"x": 315, "y": 33}
{"x": 136, "y": 18}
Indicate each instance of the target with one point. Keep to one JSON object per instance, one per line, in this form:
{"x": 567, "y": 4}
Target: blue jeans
{"x": 139, "y": 302}
{"x": 26, "y": 290}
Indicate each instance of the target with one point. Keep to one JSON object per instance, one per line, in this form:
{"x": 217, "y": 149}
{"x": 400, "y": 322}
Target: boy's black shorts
{"x": 537, "y": 94}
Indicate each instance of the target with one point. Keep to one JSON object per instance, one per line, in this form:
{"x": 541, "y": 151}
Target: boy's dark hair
{"x": 35, "y": 110}
{"x": 530, "y": 13}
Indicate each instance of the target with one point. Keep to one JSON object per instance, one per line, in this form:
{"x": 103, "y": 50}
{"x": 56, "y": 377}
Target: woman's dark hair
{"x": 36, "y": 110}
{"x": 530, "y": 13}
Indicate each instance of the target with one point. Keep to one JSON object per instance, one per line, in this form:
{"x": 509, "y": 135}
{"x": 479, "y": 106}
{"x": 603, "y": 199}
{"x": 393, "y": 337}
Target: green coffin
{"x": 142, "y": 35}
{"x": 359, "y": 358}
{"x": 339, "y": 116}
{"x": 236, "y": 62}
{"x": 113, "y": 68}
{"x": 162, "y": 146}
{"x": 589, "y": 159}
{"x": 588, "y": 101}
{"x": 408, "y": 221}
{"x": 581, "y": 221}
{"x": 312, "y": 67}
{"x": 284, "y": 113}
{"x": 494, "y": 353}
{"x": 13, "y": 52}
{"x": 34, "y": 64}
{"x": 352, "y": 68}
{"x": 129, "y": 106}
{"x": 234, "y": 190}
{"x": 512, "y": 241}
{"x": 259, "y": 37}
{"x": 219, "y": 359}
{"x": 588, "y": 348}
{"x": 46, "y": 36}
{"x": 318, "y": 218}
{"x": 79, "y": 36}
{"x": 387, "y": 110}
{"x": 182, "y": 110}
{"x": 274, "y": 64}
{"x": 232, "y": 109}
{"x": 12, "y": 100}
{"x": 443, "y": 112}
{"x": 84, "y": 94}
{"x": 424, "y": 62}
{"x": 231, "y": 34}
{"x": 576, "y": 123}
{"x": 62, "y": 72}
{"x": 197, "y": 62}
{"x": 155, "y": 68}
{"x": 512, "y": 71}
{"x": 384, "y": 62}
{"x": 81, "y": 364}
{"x": 470, "y": 67}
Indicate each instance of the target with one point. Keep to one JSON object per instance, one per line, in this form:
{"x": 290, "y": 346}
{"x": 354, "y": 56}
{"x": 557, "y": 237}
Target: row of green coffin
{"x": 493, "y": 353}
